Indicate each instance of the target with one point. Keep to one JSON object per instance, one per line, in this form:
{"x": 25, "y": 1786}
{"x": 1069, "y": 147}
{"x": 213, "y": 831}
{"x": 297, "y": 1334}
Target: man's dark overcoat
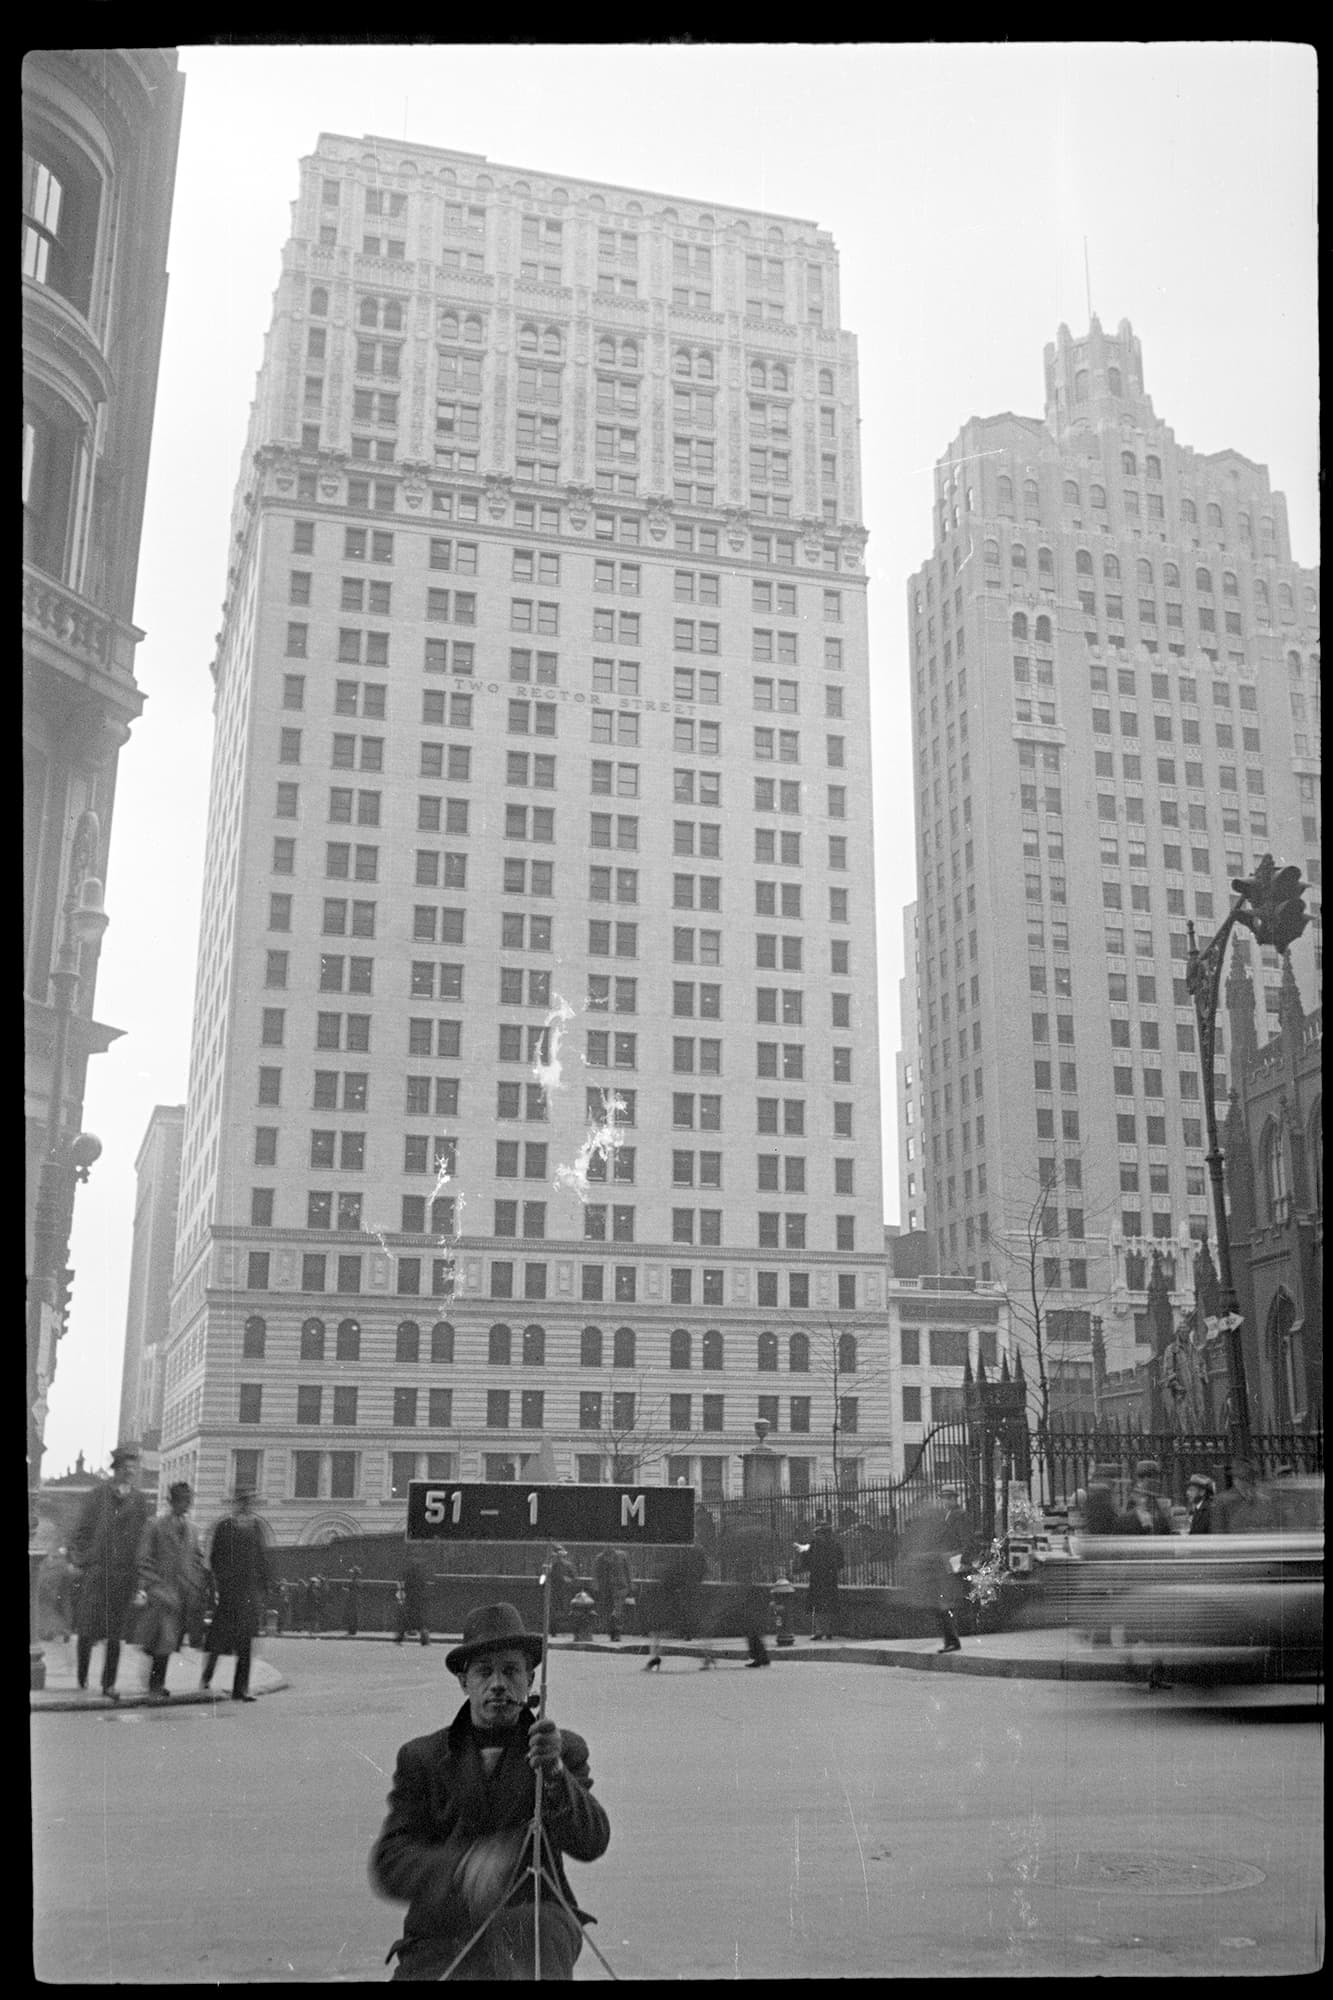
{"x": 240, "y": 1566}
{"x": 442, "y": 1804}
{"x": 105, "y": 1547}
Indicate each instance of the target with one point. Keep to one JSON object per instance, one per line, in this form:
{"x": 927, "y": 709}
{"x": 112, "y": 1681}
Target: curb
{"x": 981, "y": 1664}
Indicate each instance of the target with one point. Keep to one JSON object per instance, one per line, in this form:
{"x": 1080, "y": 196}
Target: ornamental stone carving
{"x": 660, "y": 509}
{"x": 854, "y": 547}
{"x": 580, "y": 500}
{"x": 737, "y": 528}
{"x": 499, "y": 492}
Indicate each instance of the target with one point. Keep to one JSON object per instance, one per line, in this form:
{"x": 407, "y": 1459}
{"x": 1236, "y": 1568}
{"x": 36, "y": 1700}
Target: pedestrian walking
{"x": 564, "y": 1582}
{"x": 104, "y": 1550}
{"x": 411, "y": 1601}
{"x": 457, "y": 1841}
{"x": 170, "y": 1581}
{"x": 353, "y": 1601}
{"x": 929, "y": 1581}
{"x": 748, "y": 1557}
{"x": 1242, "y": 1507}
{"x": 1149, "y": 1511}
{"x": 614, "y": 1583}
{"x": 1199, "y": 1491}
{"x": 822, "y": 1559}
{"x": 1099, "y": 1512}
{"x": 318, "y": 1603}
{"x": 240, "y": 1566}
{"x": 677, "y": 1603}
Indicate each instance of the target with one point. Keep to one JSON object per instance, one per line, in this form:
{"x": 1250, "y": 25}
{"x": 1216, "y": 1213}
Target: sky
{"x": 960, "y": 183}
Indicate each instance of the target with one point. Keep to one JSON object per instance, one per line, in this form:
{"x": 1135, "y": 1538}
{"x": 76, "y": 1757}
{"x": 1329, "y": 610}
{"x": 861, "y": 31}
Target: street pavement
{"x": 832, "y": 1822}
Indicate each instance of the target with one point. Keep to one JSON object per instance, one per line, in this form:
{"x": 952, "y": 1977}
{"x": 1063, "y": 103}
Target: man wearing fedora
{"x": 1199, "y": 1491}
{"x": 104, "y": 1548}
{"x": 456, "y": 1846}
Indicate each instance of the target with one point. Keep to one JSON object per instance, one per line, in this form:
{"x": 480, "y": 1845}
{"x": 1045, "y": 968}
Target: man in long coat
{"x": 823, "y": 1565}
{"x": 171, "y": 1579}
{"x": 104, "y": 1549}
{"x": 239, "y": 1562}
{"x": 456, "y": 1844}
{"x": 615, "y": 1582}
{"x": 928, "y": 1579}
{"x": 411, "y": 1604}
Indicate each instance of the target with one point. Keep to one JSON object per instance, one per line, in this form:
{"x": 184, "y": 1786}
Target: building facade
{"x": 911, "y": 1130}
{"x": 100, "y": 135}
{"x": 1115, "y": 694}
{"x": 157, "y": 1193}
{"x": 534, "y": 1072}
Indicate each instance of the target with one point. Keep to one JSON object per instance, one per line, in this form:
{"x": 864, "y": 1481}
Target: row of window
{"x": 317, "y": 1268}
{"x": 525, "y": 1409}
{"x": 505, "y": 1347}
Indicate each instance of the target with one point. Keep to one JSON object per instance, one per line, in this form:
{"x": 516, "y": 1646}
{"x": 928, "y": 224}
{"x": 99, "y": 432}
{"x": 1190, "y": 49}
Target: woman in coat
{"x": 171, "y": 1576}
{"x": 239, "y": 1563}
{"x": 823, "y": 1565}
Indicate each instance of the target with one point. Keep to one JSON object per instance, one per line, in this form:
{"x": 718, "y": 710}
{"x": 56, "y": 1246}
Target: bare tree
{"x": 636, "y": 1432}
{"x": 840, "y": 1360}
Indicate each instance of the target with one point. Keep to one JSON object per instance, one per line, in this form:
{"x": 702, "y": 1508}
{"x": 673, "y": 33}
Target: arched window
{"x": 1246, "y": 527}
{"x": 347, "y": 1340}
{"x": 1004, "y": 493}
{"x": 254, "y": 1337}
{"x": 1267, "y": 532}
{"x": 1045, "y": 563}
{"x": 629, "y": 353}
{"x": 528, "y": 340}
{"x": 1113, "y": 380}
{"x": 448, "y": 326}
{"x": 392, "y": 317}
{"x": 499, "y": 1346}
{"x": 1018, "y": 556}
{"x": 590, "y": 1347}
{"x": 682, "y": 361}
{"x": 758, "y": 375}
{"x": 826, "y": 381}
{"x": 1031, "y": 497}
{"x": 1083, "y": 562}
{"x": 534, "y": 1347}
{"x": 1143, "y": 570}
{"x": 1071, "y": 492}
{"x": 1308, "y": 597}
{"x": 680, "y": 1347}
{"x": 768, "y": 1353}
{"x": 703, "y": 365}
{"x": 1128, "y": 463}
{"x": 1154, "y": 468}
{"x": 62, "y": 200}
{"x": 369, "y": 313}
{"x": 1019, "y": 625}
{"x": 1203, "y": 581}
{"x": 1111, "y": 567}
{"x": 442, "y": 1341}
{"x": 1214, "y": 516}
{"x": 1081, "y": 386}
{"x": 1043, "y": 631}
{"x": 606, "y": 353}
{"x": 1189, "y": 513}
{"x": 1261, "y": 597}
{"x": 1294, "y": 665}
{"x": 1286, "y": 608}
{"x": 319, "y": 303}
{"x": 473, "y": 330}
{"x": 712, "y": 1346}
{"x": 1097, "y": 496}
{"x": 622, "y": 1347}
{"x": 407, "y": 1343}
{"x": 1171, "y": 576}
{"x": 798, "y": 1354}
{"x": 990, "y": 550}
{"x": 551, "y": 341}
{"x": 1230, "y": 588}
{"x": 312, "y": 1340}
{"x": 846, "y": 1353}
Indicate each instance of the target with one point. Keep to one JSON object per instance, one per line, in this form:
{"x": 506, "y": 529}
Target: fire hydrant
{"x": 780, "y": 1595}
{"x": 582, "y": 1612}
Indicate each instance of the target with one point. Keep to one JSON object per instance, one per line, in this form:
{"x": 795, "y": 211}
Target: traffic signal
{"x": 1273, "y": 904}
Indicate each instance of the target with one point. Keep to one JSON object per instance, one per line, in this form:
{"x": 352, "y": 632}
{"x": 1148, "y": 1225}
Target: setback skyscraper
{"x": 1115, "y": 690}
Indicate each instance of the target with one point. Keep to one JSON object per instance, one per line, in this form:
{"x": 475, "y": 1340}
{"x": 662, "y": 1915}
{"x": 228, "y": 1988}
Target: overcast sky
{"x": 959, "y": 183}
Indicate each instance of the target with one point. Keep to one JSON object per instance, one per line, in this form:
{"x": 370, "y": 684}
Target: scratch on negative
{"x": 865, "y": 1879}
{"x": 371, "y": 1761}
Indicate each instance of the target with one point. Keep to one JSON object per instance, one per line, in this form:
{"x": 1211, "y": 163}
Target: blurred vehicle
{"x": 1212, "y": 1607}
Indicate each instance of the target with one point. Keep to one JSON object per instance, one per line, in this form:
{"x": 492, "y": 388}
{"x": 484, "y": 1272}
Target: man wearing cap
{"x": 104, "y": 1548}
{"x": 456, "y": 1846}
{"x": 1149, "y": 1512}
{"x": 1199, "y": 1491}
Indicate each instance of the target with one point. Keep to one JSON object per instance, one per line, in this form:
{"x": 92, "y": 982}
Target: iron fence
{"x": 1068, "y": 1453}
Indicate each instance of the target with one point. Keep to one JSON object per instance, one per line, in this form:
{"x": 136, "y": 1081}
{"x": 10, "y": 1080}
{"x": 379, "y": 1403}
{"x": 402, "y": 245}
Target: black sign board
{"x": 440, "y": 1510}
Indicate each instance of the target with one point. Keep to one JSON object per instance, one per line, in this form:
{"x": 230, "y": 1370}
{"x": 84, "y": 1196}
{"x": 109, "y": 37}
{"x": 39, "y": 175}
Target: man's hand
{"x": 544, "y": 1747}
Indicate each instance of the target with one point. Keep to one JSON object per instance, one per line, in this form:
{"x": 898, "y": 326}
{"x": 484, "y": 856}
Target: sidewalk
{"x": 1055, "y": 1654}
{"x": 62, "y": 1690}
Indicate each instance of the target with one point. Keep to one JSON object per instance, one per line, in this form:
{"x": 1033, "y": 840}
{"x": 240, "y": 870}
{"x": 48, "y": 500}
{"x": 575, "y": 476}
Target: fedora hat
{"x": 489, "y": 1629}
{"x": 1147, "y": 1468}
{"x": 1202, "y": 1481}
{"x": 124, "y": 1452}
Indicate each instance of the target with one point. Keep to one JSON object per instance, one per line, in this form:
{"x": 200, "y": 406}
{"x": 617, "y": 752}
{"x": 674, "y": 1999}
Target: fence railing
{"x": 1069, "y": 1452}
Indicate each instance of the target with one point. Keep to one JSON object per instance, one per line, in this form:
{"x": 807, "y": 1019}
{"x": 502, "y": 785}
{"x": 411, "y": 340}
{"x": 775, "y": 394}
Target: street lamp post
{"x": 1270, "y": 904}
{"x": 65, "y": 1161}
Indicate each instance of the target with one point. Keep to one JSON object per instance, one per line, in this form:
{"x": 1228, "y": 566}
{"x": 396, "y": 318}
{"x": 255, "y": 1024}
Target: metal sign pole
{"x": 537, "y": 1809}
